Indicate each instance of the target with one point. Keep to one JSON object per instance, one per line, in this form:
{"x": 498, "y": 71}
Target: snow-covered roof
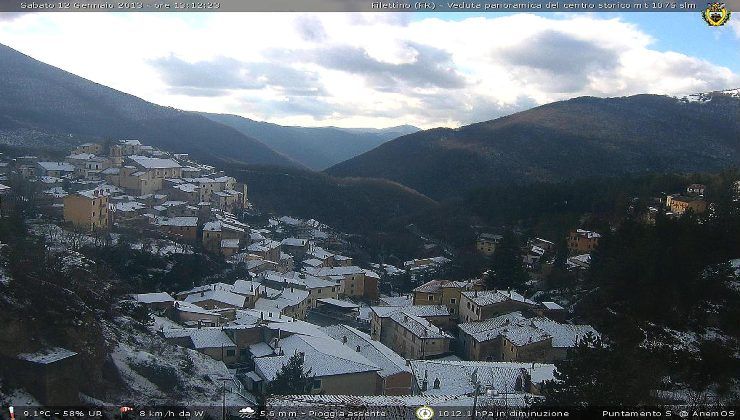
{"x": 418, "y": 326}
{"x": 388, "y": 360}
{"x": 334, "y": 271}
{"x": 456, "y": 377}
{"x": 206, "y": 338}
{"x": 312, "y": 262}
{"x": 399, "y": 301}
{"x": 588, "y": 234}
{"x": 286, "y": 298}
{"x": 552, "y": 306}
{"x": 129, "y": 206}
{"x": 46, "y": 356}
{"x": 229, "y": 243}
{"x": 183, "y": 306}
{"x": 423, "y": 311}
{"x": 184, "y": 221}
{"x": 223, "y": 296}
{"x": 303, "y": 280}
{"x": 57, "y": 166}
{"x": 157, "y": 297}
{"x": 436, "y": 286}
{"x": 491, "y": 297}
{"x": 294, "y": 242}
{"x": 188, "y": 188}
{"x": 324, "y": 356}
{"x": 520, "y": 330}
{"x": 154, "y": 163}
{"x": 261, "y": 349}
{"x": 339, "y": 303}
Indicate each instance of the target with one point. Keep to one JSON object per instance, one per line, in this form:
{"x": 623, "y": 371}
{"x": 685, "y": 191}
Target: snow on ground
{"x": 163, "y": 247}
{"x": 19, "y": 398}
{"x": 159, "y": 373}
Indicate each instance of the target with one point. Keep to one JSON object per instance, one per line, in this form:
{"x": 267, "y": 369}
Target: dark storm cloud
{"x": 221, "y": 75}
{"x": 560, "y": 62}
{"x": 431, "y": 68}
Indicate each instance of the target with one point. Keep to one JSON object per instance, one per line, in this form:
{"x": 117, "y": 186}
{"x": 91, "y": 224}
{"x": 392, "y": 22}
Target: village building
{"x": 90, "y": 148}
{"x": 211, "y": 341}
{"x": 486, "y": 243}
{"x": 511, "y": 382}
{"x": 317, "y": 288}
{"x": 216, "y": 231}
{"x": 181, "y": 228}
{"x": 336, "y": 369}
{"x": 680, "y": 204}
{"x": 54, "y": 169}
{"x": 481, "y": 305}
{"x": 695, "y": 189}
{"x": 53, "y": 374}
{"x": 582, "y": 241}
{"x": 354, "y": 281}
{"x": 441, "y": 292}
{"x": 395, "y": 376}
{"x": 514, "y": 337}
{"x": 87, "y": 209}
{"x": 158, "y": 300}
{"x": 216, "y": 299}
{"x": 291, "y": 301}
{"x": 409, "y": 330}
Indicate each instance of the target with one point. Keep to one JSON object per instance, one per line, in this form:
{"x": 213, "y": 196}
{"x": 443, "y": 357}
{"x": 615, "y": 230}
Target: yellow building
{"x": 92, "y": 148}
{"x": 441, "y": 292}
{"x": 679, "y": 204}
{"x": 87, "y": 209}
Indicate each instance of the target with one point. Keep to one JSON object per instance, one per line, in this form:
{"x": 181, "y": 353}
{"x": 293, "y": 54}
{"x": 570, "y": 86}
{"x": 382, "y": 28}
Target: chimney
{"x": 344, "y": 339}
{"x": 424, "y": 384}
{"x": 357, "y": 349}
{"x": 437, "y": 383}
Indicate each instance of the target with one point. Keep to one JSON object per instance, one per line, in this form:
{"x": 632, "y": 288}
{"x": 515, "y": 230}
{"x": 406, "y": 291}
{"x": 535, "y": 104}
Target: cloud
{"x": 430, "y": 67}
{"x": 366, "y": 69}
{"x": 560, "y": 62}
{"x": 223, "y": 75}
{"x": 310, "y": 28}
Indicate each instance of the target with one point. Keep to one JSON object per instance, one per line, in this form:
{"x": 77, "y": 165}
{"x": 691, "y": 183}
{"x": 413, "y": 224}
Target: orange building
{"x": 582, "y": 241}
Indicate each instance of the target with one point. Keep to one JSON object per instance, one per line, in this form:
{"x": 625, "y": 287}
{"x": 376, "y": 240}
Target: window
{"x": 453, "y": 301}
{"x": 430, "y": 297}
{"x": 317, "y": 384}
{"x": 230, "y": 352}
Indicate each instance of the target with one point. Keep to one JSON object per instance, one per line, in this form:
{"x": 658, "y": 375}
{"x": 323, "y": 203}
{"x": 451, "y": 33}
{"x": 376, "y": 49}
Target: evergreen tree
{"x": 507, "y": 270}
{"x": 292, "y": 379}
{"x": 597, "y": 375}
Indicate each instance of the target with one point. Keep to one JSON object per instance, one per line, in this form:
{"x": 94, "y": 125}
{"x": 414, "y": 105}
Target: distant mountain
{"x": 351, "y": 205}
{"x": 315, "y": 147}
{"x": 577, "y": 138}
{"x": 41, "y": 104}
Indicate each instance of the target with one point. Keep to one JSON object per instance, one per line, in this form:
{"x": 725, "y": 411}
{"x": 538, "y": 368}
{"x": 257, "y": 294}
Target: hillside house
{"x": 581, "y": 241}
{"x": 481, "y": 305}
{"x": 87, "y": 209}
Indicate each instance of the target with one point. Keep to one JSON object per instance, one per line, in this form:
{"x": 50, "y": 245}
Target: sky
{"x": 384, "y": 69}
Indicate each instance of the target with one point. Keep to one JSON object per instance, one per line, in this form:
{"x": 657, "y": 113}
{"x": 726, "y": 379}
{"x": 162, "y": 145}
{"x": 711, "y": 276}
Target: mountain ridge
{"x": 56, "y": 104}
{"x": 315, "y": 147}
{"x": 579, "y": 137}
